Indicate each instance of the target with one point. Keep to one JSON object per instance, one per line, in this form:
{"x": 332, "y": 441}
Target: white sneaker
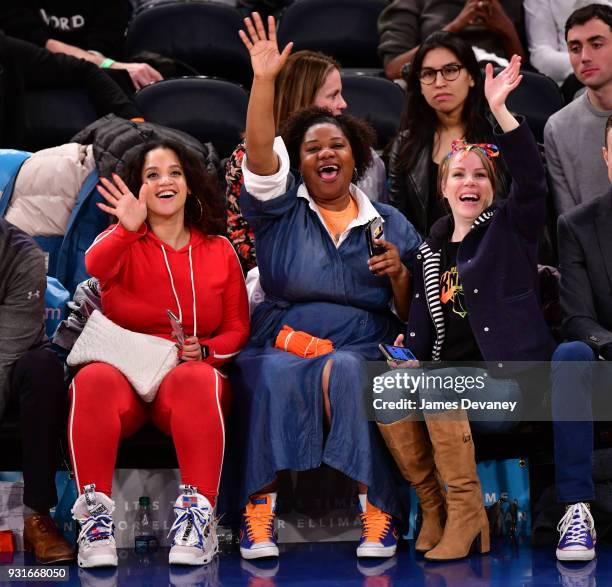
{"x": 93, "y": 511}
{"x": 195, "y": 539}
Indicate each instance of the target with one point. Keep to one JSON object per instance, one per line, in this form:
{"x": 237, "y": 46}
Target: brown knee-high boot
{"x": 466, "y": 521}
{"x": 409, "y": 444}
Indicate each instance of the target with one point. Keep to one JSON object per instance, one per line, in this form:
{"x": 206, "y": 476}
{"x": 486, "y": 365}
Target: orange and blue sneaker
{"x": 378, "y": 532}
{"x": 257, "y": 532}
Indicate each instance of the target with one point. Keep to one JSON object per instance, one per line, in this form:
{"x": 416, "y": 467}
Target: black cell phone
{"x": 374, "y": 231}
{"x": 396, "y": 353}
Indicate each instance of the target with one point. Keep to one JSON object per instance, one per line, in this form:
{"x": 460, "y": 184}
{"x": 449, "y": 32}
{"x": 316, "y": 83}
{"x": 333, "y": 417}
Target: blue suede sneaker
{"x": 378, "y": 532}
{"x": 577, "y": 530}
{"x": 257, "y": 533}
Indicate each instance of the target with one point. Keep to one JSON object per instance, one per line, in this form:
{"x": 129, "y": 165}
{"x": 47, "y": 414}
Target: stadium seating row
{"x": 205, "y": 34}
{"x": 215, "y": 110}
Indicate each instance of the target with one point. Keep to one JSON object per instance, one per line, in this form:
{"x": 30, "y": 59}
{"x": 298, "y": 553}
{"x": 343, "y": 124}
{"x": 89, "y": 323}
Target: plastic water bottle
{"x": 228, "y": 539}
{"x": 145, "y": 539}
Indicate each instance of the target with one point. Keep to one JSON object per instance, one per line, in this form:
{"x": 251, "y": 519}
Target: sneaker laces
{"x": 577, "y": 524}
{"x": 94, "y": 528}
{"x": 375, "y": 525}
{"x": 259, "y": 525}
{"x": 192, "y": 518}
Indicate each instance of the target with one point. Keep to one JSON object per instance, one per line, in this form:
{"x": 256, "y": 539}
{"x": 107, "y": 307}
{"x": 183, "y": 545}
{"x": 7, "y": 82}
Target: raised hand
{"x": 499, "y": 87}
{"x": 131, "y": 212}
{"x": 266, "y": 59}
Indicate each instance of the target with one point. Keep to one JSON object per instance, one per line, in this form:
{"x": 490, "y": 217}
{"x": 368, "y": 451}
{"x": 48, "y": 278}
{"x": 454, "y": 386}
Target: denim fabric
{"x": 572, "y": 387}
{"x": 328, "y": 292}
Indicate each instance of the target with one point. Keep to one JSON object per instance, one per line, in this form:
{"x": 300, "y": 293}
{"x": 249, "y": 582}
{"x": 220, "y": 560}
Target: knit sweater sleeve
{"x": 399, "y": 28}
{"x": 563, "y": 198}
{"x": 21, "y": 314}
{"x": 233, "y": 332}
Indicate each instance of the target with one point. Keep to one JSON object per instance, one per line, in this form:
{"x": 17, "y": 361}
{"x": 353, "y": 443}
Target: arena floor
{"x": 321, "y": 564}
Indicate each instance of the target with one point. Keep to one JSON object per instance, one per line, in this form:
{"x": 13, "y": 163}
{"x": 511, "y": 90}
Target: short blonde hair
{"x": 299, "y": 81}
{"x": 486, "y": 161}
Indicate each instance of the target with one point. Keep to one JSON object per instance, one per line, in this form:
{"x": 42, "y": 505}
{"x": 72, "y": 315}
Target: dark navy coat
{"x": 497, "y": 264}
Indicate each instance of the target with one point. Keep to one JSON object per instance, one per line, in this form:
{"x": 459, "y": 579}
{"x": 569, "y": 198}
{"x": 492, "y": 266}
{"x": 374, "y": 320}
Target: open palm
{"x": 266, "y": 59}
{"x": 131, "y": 212}
{"x": 499, "y": 87}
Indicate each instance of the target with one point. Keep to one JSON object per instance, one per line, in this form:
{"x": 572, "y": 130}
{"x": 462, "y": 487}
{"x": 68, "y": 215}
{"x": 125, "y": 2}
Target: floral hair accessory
{"x": 458, "y": 145}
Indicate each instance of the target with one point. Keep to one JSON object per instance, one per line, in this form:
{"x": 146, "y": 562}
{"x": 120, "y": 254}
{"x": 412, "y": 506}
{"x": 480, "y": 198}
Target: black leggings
{"x": 38, "y": 382}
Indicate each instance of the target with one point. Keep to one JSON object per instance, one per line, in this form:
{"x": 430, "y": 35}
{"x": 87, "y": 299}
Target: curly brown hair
{"x": 360, "y": 135}
{"x": 204, "y": 208}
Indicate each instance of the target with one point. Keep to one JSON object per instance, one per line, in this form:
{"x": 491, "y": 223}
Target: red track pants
{"x": 189, "y": 406}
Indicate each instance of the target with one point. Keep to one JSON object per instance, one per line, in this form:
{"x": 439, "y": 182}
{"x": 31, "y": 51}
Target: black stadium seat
{"x": 345, "y": 29}
{"x": 537, "y": 98}
{"x": 376, "y": 99}
{"x": 208, "y": 109}
{"x": 204, "y": 35}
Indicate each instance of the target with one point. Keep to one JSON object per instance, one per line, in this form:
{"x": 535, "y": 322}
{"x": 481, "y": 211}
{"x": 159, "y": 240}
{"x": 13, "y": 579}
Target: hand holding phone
{"x": 374, "y": 231}
{"x": 177, "y": 328}
{"x": 396, "y": 353}
{"x": 397, "y": 349}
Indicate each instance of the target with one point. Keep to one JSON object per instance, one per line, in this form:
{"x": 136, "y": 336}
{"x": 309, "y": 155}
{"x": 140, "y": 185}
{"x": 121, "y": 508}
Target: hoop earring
{"x": 200, "y": 206}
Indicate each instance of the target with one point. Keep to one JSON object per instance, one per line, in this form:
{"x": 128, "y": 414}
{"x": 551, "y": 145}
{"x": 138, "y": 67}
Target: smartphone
{"x": 396, "y": 353}
{"x": 374, "y": 231}
{"x": 177, "y": 327}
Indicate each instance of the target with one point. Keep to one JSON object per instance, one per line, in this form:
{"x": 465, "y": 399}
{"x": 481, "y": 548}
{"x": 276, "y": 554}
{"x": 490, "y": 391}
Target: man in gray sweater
{"x": 31, "y": 377}
{"x": 572, "y": 151}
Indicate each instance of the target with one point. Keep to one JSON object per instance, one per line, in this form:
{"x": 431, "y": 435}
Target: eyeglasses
{"x": 449, "y": 72}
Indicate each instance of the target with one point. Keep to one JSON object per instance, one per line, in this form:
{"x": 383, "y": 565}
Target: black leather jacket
{"x": 409, "y": 189}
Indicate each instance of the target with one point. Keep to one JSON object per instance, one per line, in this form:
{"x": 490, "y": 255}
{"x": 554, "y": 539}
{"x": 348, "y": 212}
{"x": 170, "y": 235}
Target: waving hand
{"x": 266, "y": 59}
{"x": 499, "y": 87}
{"x": 131, "y": 212}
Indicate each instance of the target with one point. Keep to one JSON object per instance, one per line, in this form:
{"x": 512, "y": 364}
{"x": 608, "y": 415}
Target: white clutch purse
{"x": 144, "y": 359}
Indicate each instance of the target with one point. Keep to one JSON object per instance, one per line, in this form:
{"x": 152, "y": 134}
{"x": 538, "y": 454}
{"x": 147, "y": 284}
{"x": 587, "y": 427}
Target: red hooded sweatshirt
{"x": 202, "y": 283}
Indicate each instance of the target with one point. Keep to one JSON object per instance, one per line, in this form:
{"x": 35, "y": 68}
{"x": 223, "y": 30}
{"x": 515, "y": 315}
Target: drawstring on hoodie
{"x": 178, "y": 304}
{"x": 195, "y": 319}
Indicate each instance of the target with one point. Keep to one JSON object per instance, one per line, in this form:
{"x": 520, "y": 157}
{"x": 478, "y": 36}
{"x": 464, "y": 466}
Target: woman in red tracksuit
{"x": 162, "y": 254}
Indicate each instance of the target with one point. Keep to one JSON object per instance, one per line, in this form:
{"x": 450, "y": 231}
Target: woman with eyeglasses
{"x": 444, "y": 102}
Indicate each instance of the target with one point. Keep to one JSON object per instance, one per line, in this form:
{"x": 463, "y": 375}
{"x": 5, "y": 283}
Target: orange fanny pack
{"x": 302, "y": 344}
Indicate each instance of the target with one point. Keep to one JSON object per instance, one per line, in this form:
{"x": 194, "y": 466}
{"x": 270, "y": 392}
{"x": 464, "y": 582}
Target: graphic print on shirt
{"x": 451, "y": 291}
